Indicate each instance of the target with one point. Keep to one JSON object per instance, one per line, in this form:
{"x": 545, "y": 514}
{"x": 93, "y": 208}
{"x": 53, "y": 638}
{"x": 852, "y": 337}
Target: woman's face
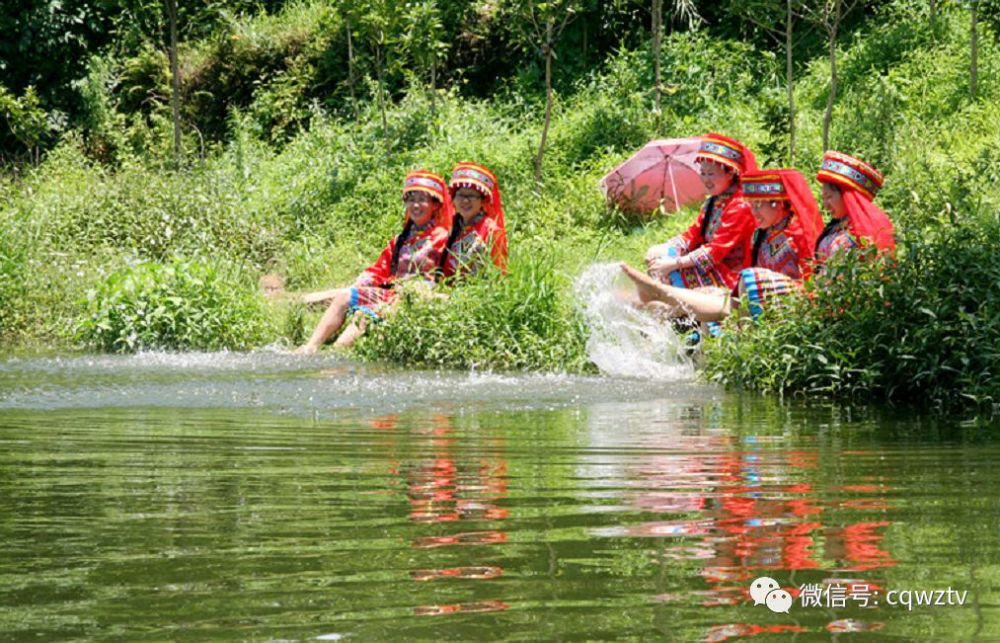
{"x": 833, "y": 201}
{"x": 421, "y": 207}
{"x": 716, "y": 178}
{"x": 468, "y": 202}
{"x": 767, "y": 213}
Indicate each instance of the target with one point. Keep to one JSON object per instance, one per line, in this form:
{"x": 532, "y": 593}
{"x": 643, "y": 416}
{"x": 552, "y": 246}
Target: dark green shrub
{"x": 180, "y": 305}
{"x": 924, "y": 327}
{"x": 491, "y": 322}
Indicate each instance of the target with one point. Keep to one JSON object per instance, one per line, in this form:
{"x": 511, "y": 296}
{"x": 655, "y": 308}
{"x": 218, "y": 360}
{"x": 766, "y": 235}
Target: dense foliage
{"x": 923, "y": 327}
{"x": 292, "y": 158}
{"x": 179, "y": 305}
{"x": 491, "y": 322}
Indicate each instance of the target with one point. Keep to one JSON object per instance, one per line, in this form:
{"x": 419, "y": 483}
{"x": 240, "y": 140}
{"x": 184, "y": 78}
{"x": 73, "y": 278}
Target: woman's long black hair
{"x": 456, "y": 229}
{"x": 400, "y": 240}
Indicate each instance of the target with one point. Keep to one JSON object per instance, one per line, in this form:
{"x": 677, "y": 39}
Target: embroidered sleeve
{"x": 379, "y": 272}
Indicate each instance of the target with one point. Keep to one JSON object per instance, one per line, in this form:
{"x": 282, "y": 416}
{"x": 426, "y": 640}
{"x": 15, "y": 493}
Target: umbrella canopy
{"x": 663, "y": 174}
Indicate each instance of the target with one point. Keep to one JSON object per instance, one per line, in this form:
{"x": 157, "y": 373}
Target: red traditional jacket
{"x": 419, "y": 255}
{"x": 723, "y": 241}
{"x": 475, "y": 245}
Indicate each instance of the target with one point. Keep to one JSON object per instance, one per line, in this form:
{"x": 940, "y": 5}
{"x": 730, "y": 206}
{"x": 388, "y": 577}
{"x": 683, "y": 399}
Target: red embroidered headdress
{"x": 727, "y": 151}
{"x": 788, "y": 185}
{"x": 434, "y": 185}
{"x": 859, "y": 182}
{"x": 481, "y": 179}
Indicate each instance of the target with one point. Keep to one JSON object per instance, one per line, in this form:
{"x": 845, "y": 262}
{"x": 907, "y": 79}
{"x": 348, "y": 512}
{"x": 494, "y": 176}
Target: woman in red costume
{"x": 414, "y": 254}
{"x": 479, "y": 233}
{"x": 849, "y": 186}
{"x": 788, "y": 223}
{"x": 712, "y": 251}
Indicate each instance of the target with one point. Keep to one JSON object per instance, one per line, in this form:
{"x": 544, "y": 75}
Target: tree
{"x": 973, "y": 47}
{"x": 828, "y": 15}
{"x": 777, "y": 19}
{"x": 350, "y": 64}
{"x": 685, "y": 9}
{"x": 175, "y": 80}
{"x": 25, "y": 119}
{"x": 539, "y": 25}
{"x": 423, "y": 38}
{"x": 378, "y": 22}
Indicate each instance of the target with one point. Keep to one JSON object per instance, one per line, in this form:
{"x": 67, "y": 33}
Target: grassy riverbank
{"x": 130, "y": 253}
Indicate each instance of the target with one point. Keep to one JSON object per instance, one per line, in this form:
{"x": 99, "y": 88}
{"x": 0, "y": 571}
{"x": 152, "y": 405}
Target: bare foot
{"x": 305, "y": 350}
{"x": 649, "y": 289}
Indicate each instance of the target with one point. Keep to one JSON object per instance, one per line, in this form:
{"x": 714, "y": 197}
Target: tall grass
{"x": 524, "y": 321}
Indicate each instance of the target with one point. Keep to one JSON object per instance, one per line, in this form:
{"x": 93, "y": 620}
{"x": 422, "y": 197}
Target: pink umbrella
{"x": 663, "y": 174}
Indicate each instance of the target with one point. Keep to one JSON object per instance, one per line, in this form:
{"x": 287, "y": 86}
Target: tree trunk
{"x": 382, "y": 99}
{"x": 657, "y": 32}
{"x": 790, "y": 82}
{"x": 548, "y": 102}
{"x": 433, "y": 87}
{"x": 350, "y": 68}
{"x": 834, "y": 25}
{"x": 974, "y": 49}
{"x": 933, "y": 14}
{"x": 175, "y": 84}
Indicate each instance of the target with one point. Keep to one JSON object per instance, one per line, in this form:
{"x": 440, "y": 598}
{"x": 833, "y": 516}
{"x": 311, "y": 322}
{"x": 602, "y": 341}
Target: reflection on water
{"x": 458, "y": 506}
{"x": 448, "y": 486}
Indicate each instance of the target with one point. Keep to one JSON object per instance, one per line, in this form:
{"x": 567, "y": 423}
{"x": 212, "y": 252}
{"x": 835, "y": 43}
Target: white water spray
{"x": 625, "y": 341}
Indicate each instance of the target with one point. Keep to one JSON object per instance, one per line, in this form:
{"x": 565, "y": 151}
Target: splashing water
{"x": 625, "y": 341}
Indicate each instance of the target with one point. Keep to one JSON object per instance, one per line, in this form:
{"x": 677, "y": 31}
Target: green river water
{"x": 269, "y": 498}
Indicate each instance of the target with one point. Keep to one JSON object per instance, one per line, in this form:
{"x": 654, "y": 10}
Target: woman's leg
{"x": 353, "y": 332}
{"x": 331, "y": 322}
{"x": 703, "y": 306}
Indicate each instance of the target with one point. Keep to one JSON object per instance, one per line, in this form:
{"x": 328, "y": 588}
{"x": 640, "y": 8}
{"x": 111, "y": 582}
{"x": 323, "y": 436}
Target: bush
{"x": 488, "y": 322}
{"x": 924, "y": 327}
{"x": 181, "y": 305}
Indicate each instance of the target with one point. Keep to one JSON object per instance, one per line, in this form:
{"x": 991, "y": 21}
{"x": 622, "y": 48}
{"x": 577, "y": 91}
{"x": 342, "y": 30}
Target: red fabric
{"x": 380, "y": 272}
{"x": 749, "y": 160}
{"x": 734, "y": 233}
{"x": 807, "y": 223}
{"x": 867, "y": 221}
{"x": 467, "y": 174}
{"x": 494, "y": 210}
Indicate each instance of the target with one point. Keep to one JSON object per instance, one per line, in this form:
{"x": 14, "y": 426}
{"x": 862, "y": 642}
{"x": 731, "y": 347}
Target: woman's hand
{"x": 655, "y": 252}
{"x": 662, "y": 267}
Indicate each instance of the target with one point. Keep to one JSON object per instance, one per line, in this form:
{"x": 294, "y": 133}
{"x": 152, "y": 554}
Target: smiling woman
{"x": 415, "y": 253}
{"x": 479, "y": 232}
{"x": 788, "y": 222}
